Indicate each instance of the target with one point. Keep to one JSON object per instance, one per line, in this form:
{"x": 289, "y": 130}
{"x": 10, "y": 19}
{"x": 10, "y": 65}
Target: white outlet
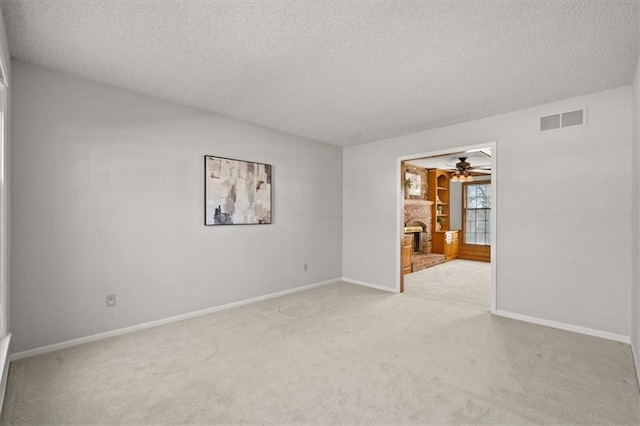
{"x": 111, "y": 300}
{"x": 306, "y": 267}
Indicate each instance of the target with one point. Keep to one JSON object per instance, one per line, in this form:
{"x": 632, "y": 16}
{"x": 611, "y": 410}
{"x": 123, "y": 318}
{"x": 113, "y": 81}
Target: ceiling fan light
{"x": 455, "y": 178}
{"x": 469, "y": 178}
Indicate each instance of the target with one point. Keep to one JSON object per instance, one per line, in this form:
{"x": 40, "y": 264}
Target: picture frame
{"x": 236, "y": 192}
{"x": 415, "y": 186}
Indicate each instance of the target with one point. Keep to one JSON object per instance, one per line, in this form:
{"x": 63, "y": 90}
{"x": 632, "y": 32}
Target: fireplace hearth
{"x": 419, "y": 238}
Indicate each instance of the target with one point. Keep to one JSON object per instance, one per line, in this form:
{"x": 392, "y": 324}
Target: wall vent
{"x": 550, "y": 122}
{"x": 564, "y": 119}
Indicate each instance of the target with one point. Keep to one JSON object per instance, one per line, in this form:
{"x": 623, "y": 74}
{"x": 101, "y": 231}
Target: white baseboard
{"x": 156, "y": 323}
{"x": 4, "y": 365}
{"x": 366, "y": 284}
{"x": 564, "y": 326}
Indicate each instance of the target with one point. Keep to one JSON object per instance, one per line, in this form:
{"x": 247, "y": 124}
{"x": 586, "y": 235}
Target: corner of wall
{"x": 635, "y": 220}
{"x": 5, "y": 62}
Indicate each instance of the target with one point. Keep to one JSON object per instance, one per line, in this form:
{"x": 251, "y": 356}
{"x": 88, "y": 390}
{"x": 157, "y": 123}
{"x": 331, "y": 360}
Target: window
{"x": 477, "y": 213}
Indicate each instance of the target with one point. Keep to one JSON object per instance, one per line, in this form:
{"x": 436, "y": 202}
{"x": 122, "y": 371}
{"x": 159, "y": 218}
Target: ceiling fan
{"x": 462, "y": 171}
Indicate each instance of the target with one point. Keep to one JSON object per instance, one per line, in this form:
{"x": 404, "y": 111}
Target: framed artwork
{"x": 236, "y": 192}
{"x": 415, "y": 188}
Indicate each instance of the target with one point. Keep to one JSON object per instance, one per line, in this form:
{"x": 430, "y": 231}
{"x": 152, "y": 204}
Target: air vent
{"x": 564, "y": 119}
{"x": 573, "y": 118}
{"x": 550, "y": 122}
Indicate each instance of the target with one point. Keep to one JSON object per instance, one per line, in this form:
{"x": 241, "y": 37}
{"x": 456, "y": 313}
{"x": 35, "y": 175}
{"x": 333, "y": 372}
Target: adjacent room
{"x": 319, "y": 212}
{"x": 448, "y": 218}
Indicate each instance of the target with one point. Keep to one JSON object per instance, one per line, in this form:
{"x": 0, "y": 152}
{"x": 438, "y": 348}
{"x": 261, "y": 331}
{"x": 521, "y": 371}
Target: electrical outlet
{"x": 306, "y": 267}
{"x": 111, "y": 300}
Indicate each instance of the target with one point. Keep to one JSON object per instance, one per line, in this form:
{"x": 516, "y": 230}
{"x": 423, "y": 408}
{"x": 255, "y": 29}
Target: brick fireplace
{"x": 417, "y": 222}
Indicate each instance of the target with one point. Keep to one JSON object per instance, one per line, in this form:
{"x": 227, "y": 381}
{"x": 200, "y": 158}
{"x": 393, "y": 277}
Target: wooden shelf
{"x": 438, "y": 191}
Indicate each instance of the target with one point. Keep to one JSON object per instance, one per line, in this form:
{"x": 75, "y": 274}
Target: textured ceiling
{"x": 339, "y": 72}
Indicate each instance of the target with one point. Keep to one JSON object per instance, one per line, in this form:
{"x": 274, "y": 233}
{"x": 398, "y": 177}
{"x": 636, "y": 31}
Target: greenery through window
{"x": 477, "y": 206}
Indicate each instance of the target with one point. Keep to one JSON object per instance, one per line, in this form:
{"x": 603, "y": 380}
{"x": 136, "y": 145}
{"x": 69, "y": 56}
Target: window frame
{"x": 487, "y": 210}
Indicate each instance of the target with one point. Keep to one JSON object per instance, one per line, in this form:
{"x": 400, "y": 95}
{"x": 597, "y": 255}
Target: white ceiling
{"x": 339, "y": 72}
{"x": 448, "y": 161}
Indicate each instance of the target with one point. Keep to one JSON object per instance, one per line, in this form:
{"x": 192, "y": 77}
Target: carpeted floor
{"x": 461, "y": 282}
{"x": 337, "y": 354}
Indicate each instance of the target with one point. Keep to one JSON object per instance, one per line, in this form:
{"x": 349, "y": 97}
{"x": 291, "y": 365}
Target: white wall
{"x": 635, "y": 220}
{"x": 4, "y": 181}
{"x": 455, "y": 202}
{"x": 107, "y": 197}
{"x": 562, "y": 238}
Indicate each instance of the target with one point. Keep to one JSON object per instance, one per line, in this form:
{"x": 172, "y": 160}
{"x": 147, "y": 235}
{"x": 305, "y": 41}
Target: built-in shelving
{"x": 438, "y": 192}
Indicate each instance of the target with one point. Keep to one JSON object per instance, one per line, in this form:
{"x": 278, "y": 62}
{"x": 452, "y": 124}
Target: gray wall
{"x": 107, "y": 197}
{"x": 563, "y": 238}
{"x": 4, "y": 184}
{"x": 635, "y": 220}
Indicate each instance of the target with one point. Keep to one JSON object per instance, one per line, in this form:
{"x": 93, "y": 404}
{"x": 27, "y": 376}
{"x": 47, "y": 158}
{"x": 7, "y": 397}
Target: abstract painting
{"x": 236, "y": 192}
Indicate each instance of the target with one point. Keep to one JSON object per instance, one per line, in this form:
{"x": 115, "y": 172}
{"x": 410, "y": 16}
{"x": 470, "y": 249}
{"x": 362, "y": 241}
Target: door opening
{"x": 447, "y": 211}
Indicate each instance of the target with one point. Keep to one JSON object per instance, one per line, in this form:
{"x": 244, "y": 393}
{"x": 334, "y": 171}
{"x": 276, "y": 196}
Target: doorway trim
{"x": 494, "y": 211}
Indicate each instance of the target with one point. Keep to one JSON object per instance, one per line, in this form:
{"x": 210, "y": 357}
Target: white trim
{"x": 366, "y": 284}
{"x": 564, "y": 326}
{"x": 4, "y": 366}
{"x": 494, "y": 192}
{"x": 494, "y": 227}
{"x": 4, "y": 201}
{"x": 156, "y": 323}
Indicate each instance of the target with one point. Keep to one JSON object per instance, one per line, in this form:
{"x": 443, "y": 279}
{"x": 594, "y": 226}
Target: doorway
{"x": 446, "y": 211}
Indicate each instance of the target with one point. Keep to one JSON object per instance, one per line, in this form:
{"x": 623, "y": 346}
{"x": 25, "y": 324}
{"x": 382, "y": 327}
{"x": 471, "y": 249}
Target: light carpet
{"x": 462, "y": 282}
{"x": 340, "y": 353}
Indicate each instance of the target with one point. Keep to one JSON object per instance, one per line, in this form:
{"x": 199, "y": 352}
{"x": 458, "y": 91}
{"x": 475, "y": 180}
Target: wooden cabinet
{"x": 437, "y": 243}
{"x": 451, "y": 245}
{"x": 407, "y": 250}
{"x": 447, "y": 243}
